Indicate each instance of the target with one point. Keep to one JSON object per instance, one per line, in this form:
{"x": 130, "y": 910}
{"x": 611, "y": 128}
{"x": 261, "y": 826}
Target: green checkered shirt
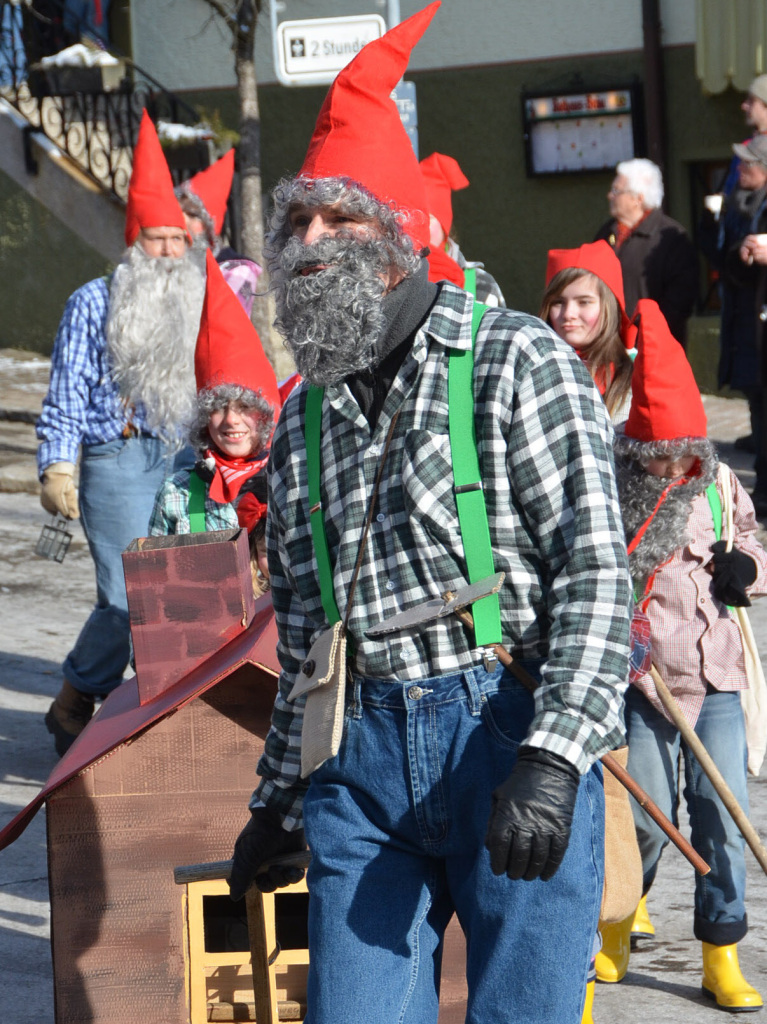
{"x": 545, "y": 446}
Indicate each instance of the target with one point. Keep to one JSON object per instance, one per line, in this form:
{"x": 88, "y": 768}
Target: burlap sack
{"x": 623, "y": 863}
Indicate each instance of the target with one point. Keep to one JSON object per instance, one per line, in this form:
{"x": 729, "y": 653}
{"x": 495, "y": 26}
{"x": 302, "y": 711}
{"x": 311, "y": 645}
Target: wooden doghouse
{"x": 161, "y": 778}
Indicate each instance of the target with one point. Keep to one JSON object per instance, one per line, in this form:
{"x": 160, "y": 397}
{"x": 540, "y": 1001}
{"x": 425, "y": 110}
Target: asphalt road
{"x": 43, "y": 604}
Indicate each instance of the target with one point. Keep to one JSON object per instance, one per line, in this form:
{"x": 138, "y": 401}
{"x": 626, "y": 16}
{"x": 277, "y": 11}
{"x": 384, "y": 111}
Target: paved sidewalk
{"x": 43, "y": 605}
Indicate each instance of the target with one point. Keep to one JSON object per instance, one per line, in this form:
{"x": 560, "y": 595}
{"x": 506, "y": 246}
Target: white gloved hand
{"x": 59, "y": 493}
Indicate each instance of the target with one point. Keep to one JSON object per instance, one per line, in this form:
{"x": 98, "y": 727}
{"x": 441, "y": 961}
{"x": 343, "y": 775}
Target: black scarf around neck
{"x": 405, "y": 308}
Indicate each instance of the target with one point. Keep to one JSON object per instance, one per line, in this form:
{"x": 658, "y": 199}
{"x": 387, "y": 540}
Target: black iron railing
{"x": 91, "y": 114}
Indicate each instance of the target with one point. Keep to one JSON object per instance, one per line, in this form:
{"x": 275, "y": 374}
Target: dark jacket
{"x": 742, "y": 291}
{"x": 659, "y": 262}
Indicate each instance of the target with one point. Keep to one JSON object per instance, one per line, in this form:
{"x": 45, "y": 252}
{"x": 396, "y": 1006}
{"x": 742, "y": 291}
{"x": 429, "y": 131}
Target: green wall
{"x": 41, "y": 263}
{"x": 505, "y": 218}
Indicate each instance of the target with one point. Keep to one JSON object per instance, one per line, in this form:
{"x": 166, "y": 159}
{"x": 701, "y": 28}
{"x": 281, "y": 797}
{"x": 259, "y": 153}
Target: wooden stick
{"x": 706, "y": 762}
{"x": 609, "y": 762}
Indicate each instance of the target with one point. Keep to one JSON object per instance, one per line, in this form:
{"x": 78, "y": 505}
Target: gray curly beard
{"x": 152, "y": 325}
{"x": 639, "y": 491}
{"x": 332, "y": 319}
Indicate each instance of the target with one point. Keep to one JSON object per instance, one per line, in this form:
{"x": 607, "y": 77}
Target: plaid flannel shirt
{"x": 545, "y": 445}
{"x": 83, "y": 404}
{"x": 170, "y": 514}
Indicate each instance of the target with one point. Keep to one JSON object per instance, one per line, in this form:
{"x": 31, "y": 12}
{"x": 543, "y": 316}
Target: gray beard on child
{"x": 638, "y": 492}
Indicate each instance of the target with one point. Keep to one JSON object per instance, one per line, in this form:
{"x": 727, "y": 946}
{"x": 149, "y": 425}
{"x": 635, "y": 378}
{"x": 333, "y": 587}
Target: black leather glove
{"x": 732, "y": 572}
{"x": 262, "y": 839}
{"x": 529, "y": 826}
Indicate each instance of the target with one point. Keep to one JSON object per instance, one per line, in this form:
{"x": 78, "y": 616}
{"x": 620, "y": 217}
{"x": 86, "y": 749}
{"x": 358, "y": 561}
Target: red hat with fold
{"x": 665, "y": 400}
{"x": 442, "y": 176}
{"x": 443, "y": 267}
{"x": 212, "y": 187}
{"x": 151, "y": 200}
{"x": 359, "y": 133}
{"x": 229, "y": 350}
{"x": 597, "y": 258}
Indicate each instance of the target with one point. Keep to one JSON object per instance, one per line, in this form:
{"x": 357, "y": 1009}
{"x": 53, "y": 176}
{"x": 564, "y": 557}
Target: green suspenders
{"x": 716, "y": 508}
{"x": 470, "y": 500}
{"x": 312, "y": 434}
{"x": 469, "y": 496}
{"x": 470, "y": 280}
{"x": 196, "y": 503}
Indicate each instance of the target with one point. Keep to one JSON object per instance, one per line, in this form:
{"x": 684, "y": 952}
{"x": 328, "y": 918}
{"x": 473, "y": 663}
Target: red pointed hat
{"x": 443, "y": 267}
{"x": 212, "y": 187}
{"x": 665, "y": 400}
{"x": 597, "y": 258}
{"x": 442, "y": 176}
{"x": 151, "y": 202}
{"x": 359, "y": 133}
{"x": 228, "y": 348}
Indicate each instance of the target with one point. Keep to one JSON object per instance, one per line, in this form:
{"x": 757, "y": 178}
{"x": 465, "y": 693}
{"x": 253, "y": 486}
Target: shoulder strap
{"x": 313, "y": 435}
{"x": 196, "y": 503}
{"x": 469, "y": 497}
{"x": 470, "y": 280}
{"x": 716, "y": 508}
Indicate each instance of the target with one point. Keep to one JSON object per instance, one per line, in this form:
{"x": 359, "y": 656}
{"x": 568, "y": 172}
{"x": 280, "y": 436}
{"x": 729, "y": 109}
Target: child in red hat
{"x": 583, "y": 303}
{"x": 238, "y": 402}
{"x": 672, "y": 491}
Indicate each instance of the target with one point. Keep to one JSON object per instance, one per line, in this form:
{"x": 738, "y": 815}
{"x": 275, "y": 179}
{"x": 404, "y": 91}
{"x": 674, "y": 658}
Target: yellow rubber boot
{"x": 588, "y": 1006}
{"x": 612, "y": 961}
{"x": 723, "y": 981}
{"x": 641, "y": 925}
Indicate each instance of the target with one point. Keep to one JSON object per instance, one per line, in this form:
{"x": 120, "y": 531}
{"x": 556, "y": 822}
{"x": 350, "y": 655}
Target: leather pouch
{"x": 323, "y": 681}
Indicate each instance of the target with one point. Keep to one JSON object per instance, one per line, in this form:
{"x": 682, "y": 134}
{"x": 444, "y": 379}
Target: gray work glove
{"x": 529, "y": 826}
{"x": 262, "y": 839}
{"x": 59, "y": 493}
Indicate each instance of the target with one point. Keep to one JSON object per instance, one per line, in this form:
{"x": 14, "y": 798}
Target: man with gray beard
{"x": 424, "y": 777}
{"x": 122, "y": 390}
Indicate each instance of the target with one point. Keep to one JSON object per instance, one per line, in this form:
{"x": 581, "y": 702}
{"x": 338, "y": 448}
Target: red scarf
{"x": 231, "y": 474}
{"x": 250, "y": 511}
{"x": 623, "y": 231}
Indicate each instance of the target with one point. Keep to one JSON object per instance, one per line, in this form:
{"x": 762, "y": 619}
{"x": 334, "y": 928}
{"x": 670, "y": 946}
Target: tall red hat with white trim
{"x": 212, "y": 187}
{"x": 359, "y": 133}
{"x": 229, "y": 350}
{"x": 442, "y": 176}
{"x": 151, "y": 201}
{"x": 597, "y": 258}
{"x": 665, "y": 399}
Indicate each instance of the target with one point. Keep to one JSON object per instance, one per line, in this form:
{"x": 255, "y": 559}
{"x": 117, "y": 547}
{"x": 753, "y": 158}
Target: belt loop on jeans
{"x": 472, "y": 690}
{"x": 354, "y": 702}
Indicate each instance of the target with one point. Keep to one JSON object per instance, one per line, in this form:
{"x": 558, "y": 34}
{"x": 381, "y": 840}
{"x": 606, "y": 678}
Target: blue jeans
{"x": 396, "y": 825}
{"x": 118, "y": 483}
{"x": 654, "y": 745}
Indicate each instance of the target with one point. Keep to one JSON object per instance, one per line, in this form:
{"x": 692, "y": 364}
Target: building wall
{"x": 461, "y": 35}
{"x": 41, "y": 263}
{"x": 505, "y": 218}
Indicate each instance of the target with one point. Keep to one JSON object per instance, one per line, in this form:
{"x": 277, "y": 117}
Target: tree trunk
{"x": 252, "y": 211}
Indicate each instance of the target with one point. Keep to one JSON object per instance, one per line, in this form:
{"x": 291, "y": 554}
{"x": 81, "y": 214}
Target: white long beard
{"x": 154, "y": 317}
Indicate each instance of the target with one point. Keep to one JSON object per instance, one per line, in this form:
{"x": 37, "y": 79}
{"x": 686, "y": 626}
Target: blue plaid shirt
{"x": 83, "y": 404}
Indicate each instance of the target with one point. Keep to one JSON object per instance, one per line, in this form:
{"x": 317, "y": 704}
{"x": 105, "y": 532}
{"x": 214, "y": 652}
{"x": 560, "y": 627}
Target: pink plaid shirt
{"x": 695, "y": 639}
